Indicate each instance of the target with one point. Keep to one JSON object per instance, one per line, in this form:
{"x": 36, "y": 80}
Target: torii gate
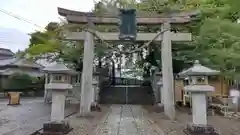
{"x": 166, "y": 38}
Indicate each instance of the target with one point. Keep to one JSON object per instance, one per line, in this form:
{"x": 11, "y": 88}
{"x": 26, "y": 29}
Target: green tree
{"x": 51, "y": 45}
{"x": 215, "y": 34}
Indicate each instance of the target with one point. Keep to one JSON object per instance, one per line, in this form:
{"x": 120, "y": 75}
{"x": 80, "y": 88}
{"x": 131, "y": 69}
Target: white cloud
{"x": 40, "y": 12}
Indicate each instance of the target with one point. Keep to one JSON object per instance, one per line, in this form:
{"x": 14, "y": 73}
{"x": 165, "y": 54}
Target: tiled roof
{"x": 4, "y": 51}
{"x": 10, "y": 71}
{"x": 19, "y": 62}
{"x": 5, "y": 62}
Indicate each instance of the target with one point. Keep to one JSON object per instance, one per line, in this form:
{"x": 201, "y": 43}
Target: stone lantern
{"x": 198, "y": 76}
{"x": 158, "y": 92}
{"x": 157, "y": 86}
{"x": 94, "y": 100}
{"x": 59, "y": 84}
{"x": 96, "y": 86}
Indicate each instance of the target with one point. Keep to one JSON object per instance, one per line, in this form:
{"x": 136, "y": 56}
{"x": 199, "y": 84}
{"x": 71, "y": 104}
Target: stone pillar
{"x": 167, "y": 72}
{"x": 86, "y": 80}
{"x": 58, "y": 106}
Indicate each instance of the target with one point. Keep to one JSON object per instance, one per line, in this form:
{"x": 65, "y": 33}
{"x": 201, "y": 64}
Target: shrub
{"x": 18, "y": 82}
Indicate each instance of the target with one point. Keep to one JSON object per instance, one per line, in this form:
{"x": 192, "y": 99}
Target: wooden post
{"x": 86, "y": 81}
{"x": 167, "y": 72}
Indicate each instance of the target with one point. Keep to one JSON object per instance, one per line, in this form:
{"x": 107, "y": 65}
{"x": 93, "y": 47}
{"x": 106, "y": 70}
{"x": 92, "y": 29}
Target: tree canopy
{"x": 216, "y": 36}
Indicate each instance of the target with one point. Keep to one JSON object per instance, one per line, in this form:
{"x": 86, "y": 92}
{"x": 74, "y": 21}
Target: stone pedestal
{"x": 158, "y": 108}
{"x": 94, "y": 104}
{"x": 193, "y": 129}
{"x": 156, "y": 84}
{"x": 56, "y": 128}
{"x": 199, "y": 111}
{"x": 58, "y": 106}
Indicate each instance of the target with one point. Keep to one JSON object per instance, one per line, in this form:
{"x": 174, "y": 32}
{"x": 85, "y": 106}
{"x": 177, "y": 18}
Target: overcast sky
{"x": 14, "y": 32}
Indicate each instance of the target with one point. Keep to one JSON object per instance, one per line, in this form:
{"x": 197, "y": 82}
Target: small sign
{"x": 14, "y": 98}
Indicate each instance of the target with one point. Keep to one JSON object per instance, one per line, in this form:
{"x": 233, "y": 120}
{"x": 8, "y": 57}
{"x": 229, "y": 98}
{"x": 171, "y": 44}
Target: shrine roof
{"x": 142, "y": 17}
{"x": 197, "y": 69}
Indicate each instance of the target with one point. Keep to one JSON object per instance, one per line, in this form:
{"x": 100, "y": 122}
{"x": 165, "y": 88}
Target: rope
{"x": 102, "y": 39}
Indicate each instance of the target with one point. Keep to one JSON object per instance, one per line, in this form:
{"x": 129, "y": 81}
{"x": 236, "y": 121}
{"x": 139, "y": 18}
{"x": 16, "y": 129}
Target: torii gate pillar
{"x": 167, "y": 72}
{"x": 87, "y": 93}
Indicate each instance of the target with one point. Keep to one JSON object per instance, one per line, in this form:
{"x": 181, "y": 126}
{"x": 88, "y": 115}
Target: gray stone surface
{"x": 127, "y": 120}
{"x": 25, "y": 118}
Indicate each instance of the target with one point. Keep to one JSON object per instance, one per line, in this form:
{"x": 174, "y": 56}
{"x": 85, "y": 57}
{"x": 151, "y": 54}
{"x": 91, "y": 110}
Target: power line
{"x": 20, "y": 18}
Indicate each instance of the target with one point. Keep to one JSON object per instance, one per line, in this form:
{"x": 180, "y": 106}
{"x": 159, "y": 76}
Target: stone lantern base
{"x": 193, "y": 129}
{"x": 55, "y": 128}
{"x": 158, "y": 108}
{"x": 95, "y": 107}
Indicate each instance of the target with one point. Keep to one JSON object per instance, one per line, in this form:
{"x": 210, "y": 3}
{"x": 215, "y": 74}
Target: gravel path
{"x": 27, "y": 117}
{"x": 87, "y": 126}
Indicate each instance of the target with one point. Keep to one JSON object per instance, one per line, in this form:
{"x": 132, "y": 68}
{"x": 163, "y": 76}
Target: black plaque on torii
{"x": 127, "y": 24}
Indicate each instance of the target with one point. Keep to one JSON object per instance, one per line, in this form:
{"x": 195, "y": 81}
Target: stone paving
{"x": 25, "y": 118}
{"x": 87, "y": 125}
{"x": 127, "y": 120}
{"x": 223, "y": 125}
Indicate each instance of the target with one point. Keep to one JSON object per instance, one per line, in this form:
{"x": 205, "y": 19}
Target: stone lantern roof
{"x": 198, "y": 70}
{"x": 59, "y": 68}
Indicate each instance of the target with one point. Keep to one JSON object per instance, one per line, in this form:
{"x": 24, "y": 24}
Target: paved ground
{"x": 87, "y": 125}
{"x": 127, "y": 120}
{"x": 224, "y": 126}
{"x": 25, "y": 118}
